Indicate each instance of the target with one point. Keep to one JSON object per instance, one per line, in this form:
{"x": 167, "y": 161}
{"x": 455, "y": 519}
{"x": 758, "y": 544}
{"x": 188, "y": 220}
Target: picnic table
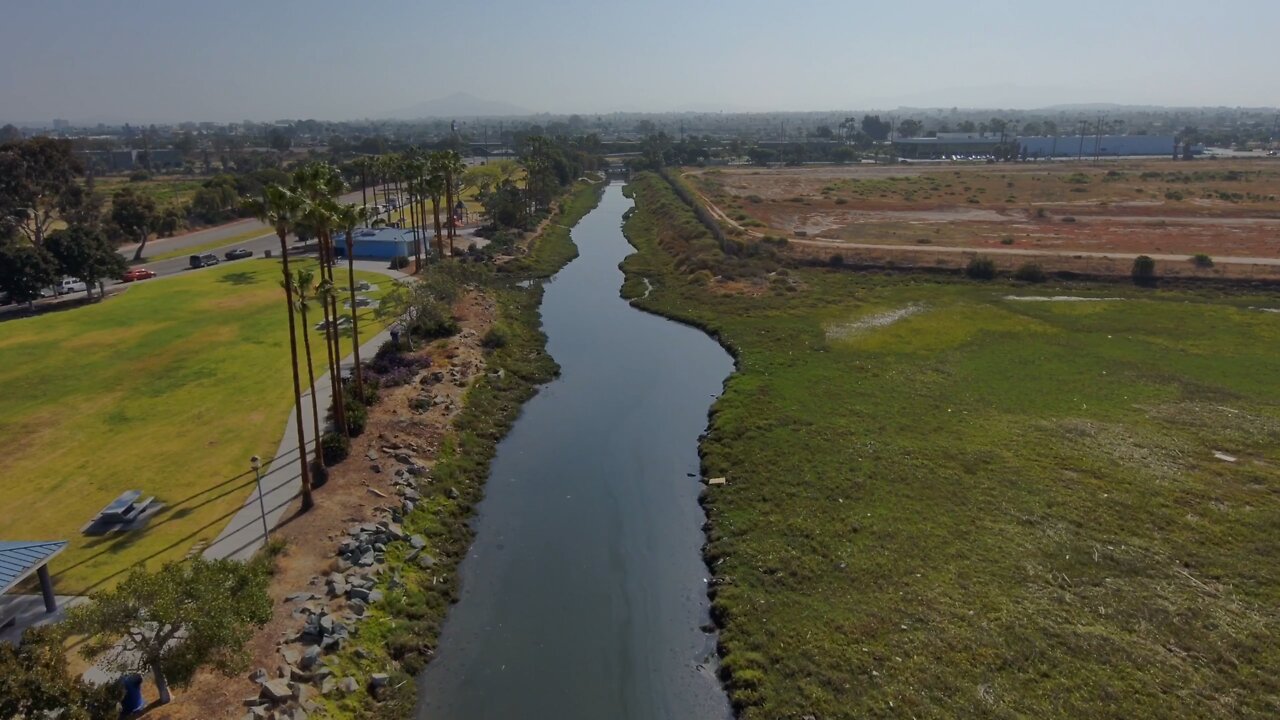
{"x": 125, "y": 508}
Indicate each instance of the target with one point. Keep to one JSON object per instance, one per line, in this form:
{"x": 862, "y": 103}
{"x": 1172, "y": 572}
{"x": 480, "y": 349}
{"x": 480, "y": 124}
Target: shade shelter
{"x": 21, "y": 558}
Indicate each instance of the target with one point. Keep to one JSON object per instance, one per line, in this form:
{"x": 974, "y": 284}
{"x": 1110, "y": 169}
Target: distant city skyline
{"x": 151, "y": 61}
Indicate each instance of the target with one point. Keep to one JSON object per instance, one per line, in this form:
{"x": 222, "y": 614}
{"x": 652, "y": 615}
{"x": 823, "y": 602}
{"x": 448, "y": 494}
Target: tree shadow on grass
{"x": 240, "y": 278}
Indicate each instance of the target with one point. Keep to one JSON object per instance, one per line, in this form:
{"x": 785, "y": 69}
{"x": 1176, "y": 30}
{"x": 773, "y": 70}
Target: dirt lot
{"x": 353, "y": 495}
{"x": 1224, "y": 208}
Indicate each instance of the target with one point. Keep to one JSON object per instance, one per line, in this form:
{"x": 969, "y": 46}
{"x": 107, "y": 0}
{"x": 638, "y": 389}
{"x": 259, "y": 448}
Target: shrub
{"x": 1006, "y": 240}
{"x": 319, "y": 474}
{"x": 139, "y": 176}
{"x": 836, "y": 260}
{"x": 399, "y": 262}
{"x": 1202, "y": 261}
{"x": 1068, "y": 219}
{"x": 1030, "y": 272}
{"x": 1144, "y": 270}
{"x": 497, "y": 337}
{"x": 1041, "y": 213}
{"x": 981, "y": 268}
{"x": 357, "y": 417}
{"x": 334, "y": 448}
{"x": 433, "y": 320}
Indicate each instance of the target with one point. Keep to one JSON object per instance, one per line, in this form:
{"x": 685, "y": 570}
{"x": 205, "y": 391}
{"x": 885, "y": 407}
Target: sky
{"x": 231, "y": 60}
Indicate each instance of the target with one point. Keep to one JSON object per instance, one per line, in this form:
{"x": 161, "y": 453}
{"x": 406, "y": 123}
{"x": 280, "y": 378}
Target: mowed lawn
{"x": 988, "y": 507}
{"x": 168, "y": 388}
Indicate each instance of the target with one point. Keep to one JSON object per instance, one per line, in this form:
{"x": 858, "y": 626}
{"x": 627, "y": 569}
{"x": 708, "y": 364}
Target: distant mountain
{"x": 458, "y": 105}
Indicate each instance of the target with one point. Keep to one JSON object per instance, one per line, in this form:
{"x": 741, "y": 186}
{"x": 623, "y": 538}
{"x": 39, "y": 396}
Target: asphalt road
{"x": 265, "y": 240}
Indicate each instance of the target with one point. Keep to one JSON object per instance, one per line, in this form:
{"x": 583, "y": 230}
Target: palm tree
{"x": 433, "y": 184}
{"x": 349, "y": 216}
{"x": 318, "y": 183}
{"x": 303, "y": 294}
{"x": 452, "y": 167}
{"x": 279, "y": 208}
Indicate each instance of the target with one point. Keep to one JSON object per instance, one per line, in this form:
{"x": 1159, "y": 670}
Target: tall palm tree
{"x": 433, "y": 184}
{"x": 349, "y": 216}
{"x": 303, "y": 293}
{"x": 279, "y": 208}
{"x": 318, "y": 183}
{"x": 452, "y": 167}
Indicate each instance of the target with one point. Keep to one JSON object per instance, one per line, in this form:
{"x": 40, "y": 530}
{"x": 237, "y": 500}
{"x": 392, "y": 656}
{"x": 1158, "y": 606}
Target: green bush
{"x": 496, "y": 337}
{"x": 836, "y": 260}
{"x": 357, "y": 418}
{"x": 981, "y": 268}
{"x": 1144, "y": 270}
{"x": 139, "y": 176}
{"x": 334, "y": 448}
{"x": 1030, "y": 272}
{"x": 399, "y": 262}
{"x": 1202, "y": 261}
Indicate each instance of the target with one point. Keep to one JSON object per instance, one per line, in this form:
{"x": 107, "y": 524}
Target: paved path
{"x": 281, "y": 481}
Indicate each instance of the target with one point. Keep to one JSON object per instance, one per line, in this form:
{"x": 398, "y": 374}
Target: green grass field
{"x": 989, "y": 507}
{"x": 168, "y": 388}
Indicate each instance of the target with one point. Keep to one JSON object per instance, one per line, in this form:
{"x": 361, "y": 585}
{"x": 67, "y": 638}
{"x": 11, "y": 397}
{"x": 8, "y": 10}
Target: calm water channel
{"x": 584, "y": 591}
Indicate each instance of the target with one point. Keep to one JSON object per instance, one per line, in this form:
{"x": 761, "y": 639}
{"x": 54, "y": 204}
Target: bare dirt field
{"x": 1228, "y": 209}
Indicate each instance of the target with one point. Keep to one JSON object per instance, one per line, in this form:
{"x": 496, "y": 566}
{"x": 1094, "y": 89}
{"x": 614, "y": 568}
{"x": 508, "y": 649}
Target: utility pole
{"x": 1080, "y": 152}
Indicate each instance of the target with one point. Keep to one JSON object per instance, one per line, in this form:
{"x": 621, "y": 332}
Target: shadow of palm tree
{"x": 240, "y": 278}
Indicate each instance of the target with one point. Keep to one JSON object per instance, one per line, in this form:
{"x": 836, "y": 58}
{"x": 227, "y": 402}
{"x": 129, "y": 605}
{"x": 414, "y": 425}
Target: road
{"x": 264, "y": 239}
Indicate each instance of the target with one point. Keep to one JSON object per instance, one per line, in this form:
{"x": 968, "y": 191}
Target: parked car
{"x": 69, "y": 285}
{"x": 238, "y": 254}
{"x": 137, "y": 274}
{"x": 199, "y": 261}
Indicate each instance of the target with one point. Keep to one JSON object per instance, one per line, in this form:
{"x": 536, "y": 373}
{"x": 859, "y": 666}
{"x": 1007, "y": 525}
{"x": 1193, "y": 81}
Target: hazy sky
{"x": 166, "y": 60}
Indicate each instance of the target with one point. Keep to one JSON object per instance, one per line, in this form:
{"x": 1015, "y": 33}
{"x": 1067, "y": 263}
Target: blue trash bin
{"x": 132, "y": 701}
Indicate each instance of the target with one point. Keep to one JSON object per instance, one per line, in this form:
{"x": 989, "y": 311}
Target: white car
{"x": 70, "y": 285}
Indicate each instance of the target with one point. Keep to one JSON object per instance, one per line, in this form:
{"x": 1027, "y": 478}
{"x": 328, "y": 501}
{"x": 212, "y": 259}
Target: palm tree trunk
{"x": 331, "y": 338}
{"x": 307, "y": 501}
{"x": 417, "y": 236}
{"x": 355, "y": 327}
{"x": 311, "y": 379}
{"x": 435, "y": 210}
{"x": 448, "y": 204}
{"x": 364, "y": 186}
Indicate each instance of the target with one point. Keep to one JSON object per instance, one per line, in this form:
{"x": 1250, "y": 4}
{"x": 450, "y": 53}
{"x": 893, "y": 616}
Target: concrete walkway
{"x": 281, "y": 481}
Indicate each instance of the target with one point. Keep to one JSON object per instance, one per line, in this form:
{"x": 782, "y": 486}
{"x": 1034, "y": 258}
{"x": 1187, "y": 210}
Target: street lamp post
{"x": 256, "y": 464}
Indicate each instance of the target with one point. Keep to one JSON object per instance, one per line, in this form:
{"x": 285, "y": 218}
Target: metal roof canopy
{"x": 19, "y": 559}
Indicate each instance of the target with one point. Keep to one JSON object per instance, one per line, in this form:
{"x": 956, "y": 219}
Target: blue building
{"x": 377, "y": 243}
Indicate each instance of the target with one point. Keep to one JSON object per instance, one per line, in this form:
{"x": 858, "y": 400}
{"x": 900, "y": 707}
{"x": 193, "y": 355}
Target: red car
{"x": 136, "y": 274}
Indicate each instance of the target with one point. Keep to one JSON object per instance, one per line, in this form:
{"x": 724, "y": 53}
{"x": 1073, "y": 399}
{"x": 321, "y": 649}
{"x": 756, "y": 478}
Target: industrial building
{"x": 948, "y": 144}
{"x": 378, "y": 244}
{"x": 1090, "y": 145}
{"x": 128, "y": 160}
{"x": 966, "y": 144}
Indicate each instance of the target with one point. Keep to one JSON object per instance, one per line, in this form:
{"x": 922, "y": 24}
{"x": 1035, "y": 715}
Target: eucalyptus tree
{"x": 281, "y": 209}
